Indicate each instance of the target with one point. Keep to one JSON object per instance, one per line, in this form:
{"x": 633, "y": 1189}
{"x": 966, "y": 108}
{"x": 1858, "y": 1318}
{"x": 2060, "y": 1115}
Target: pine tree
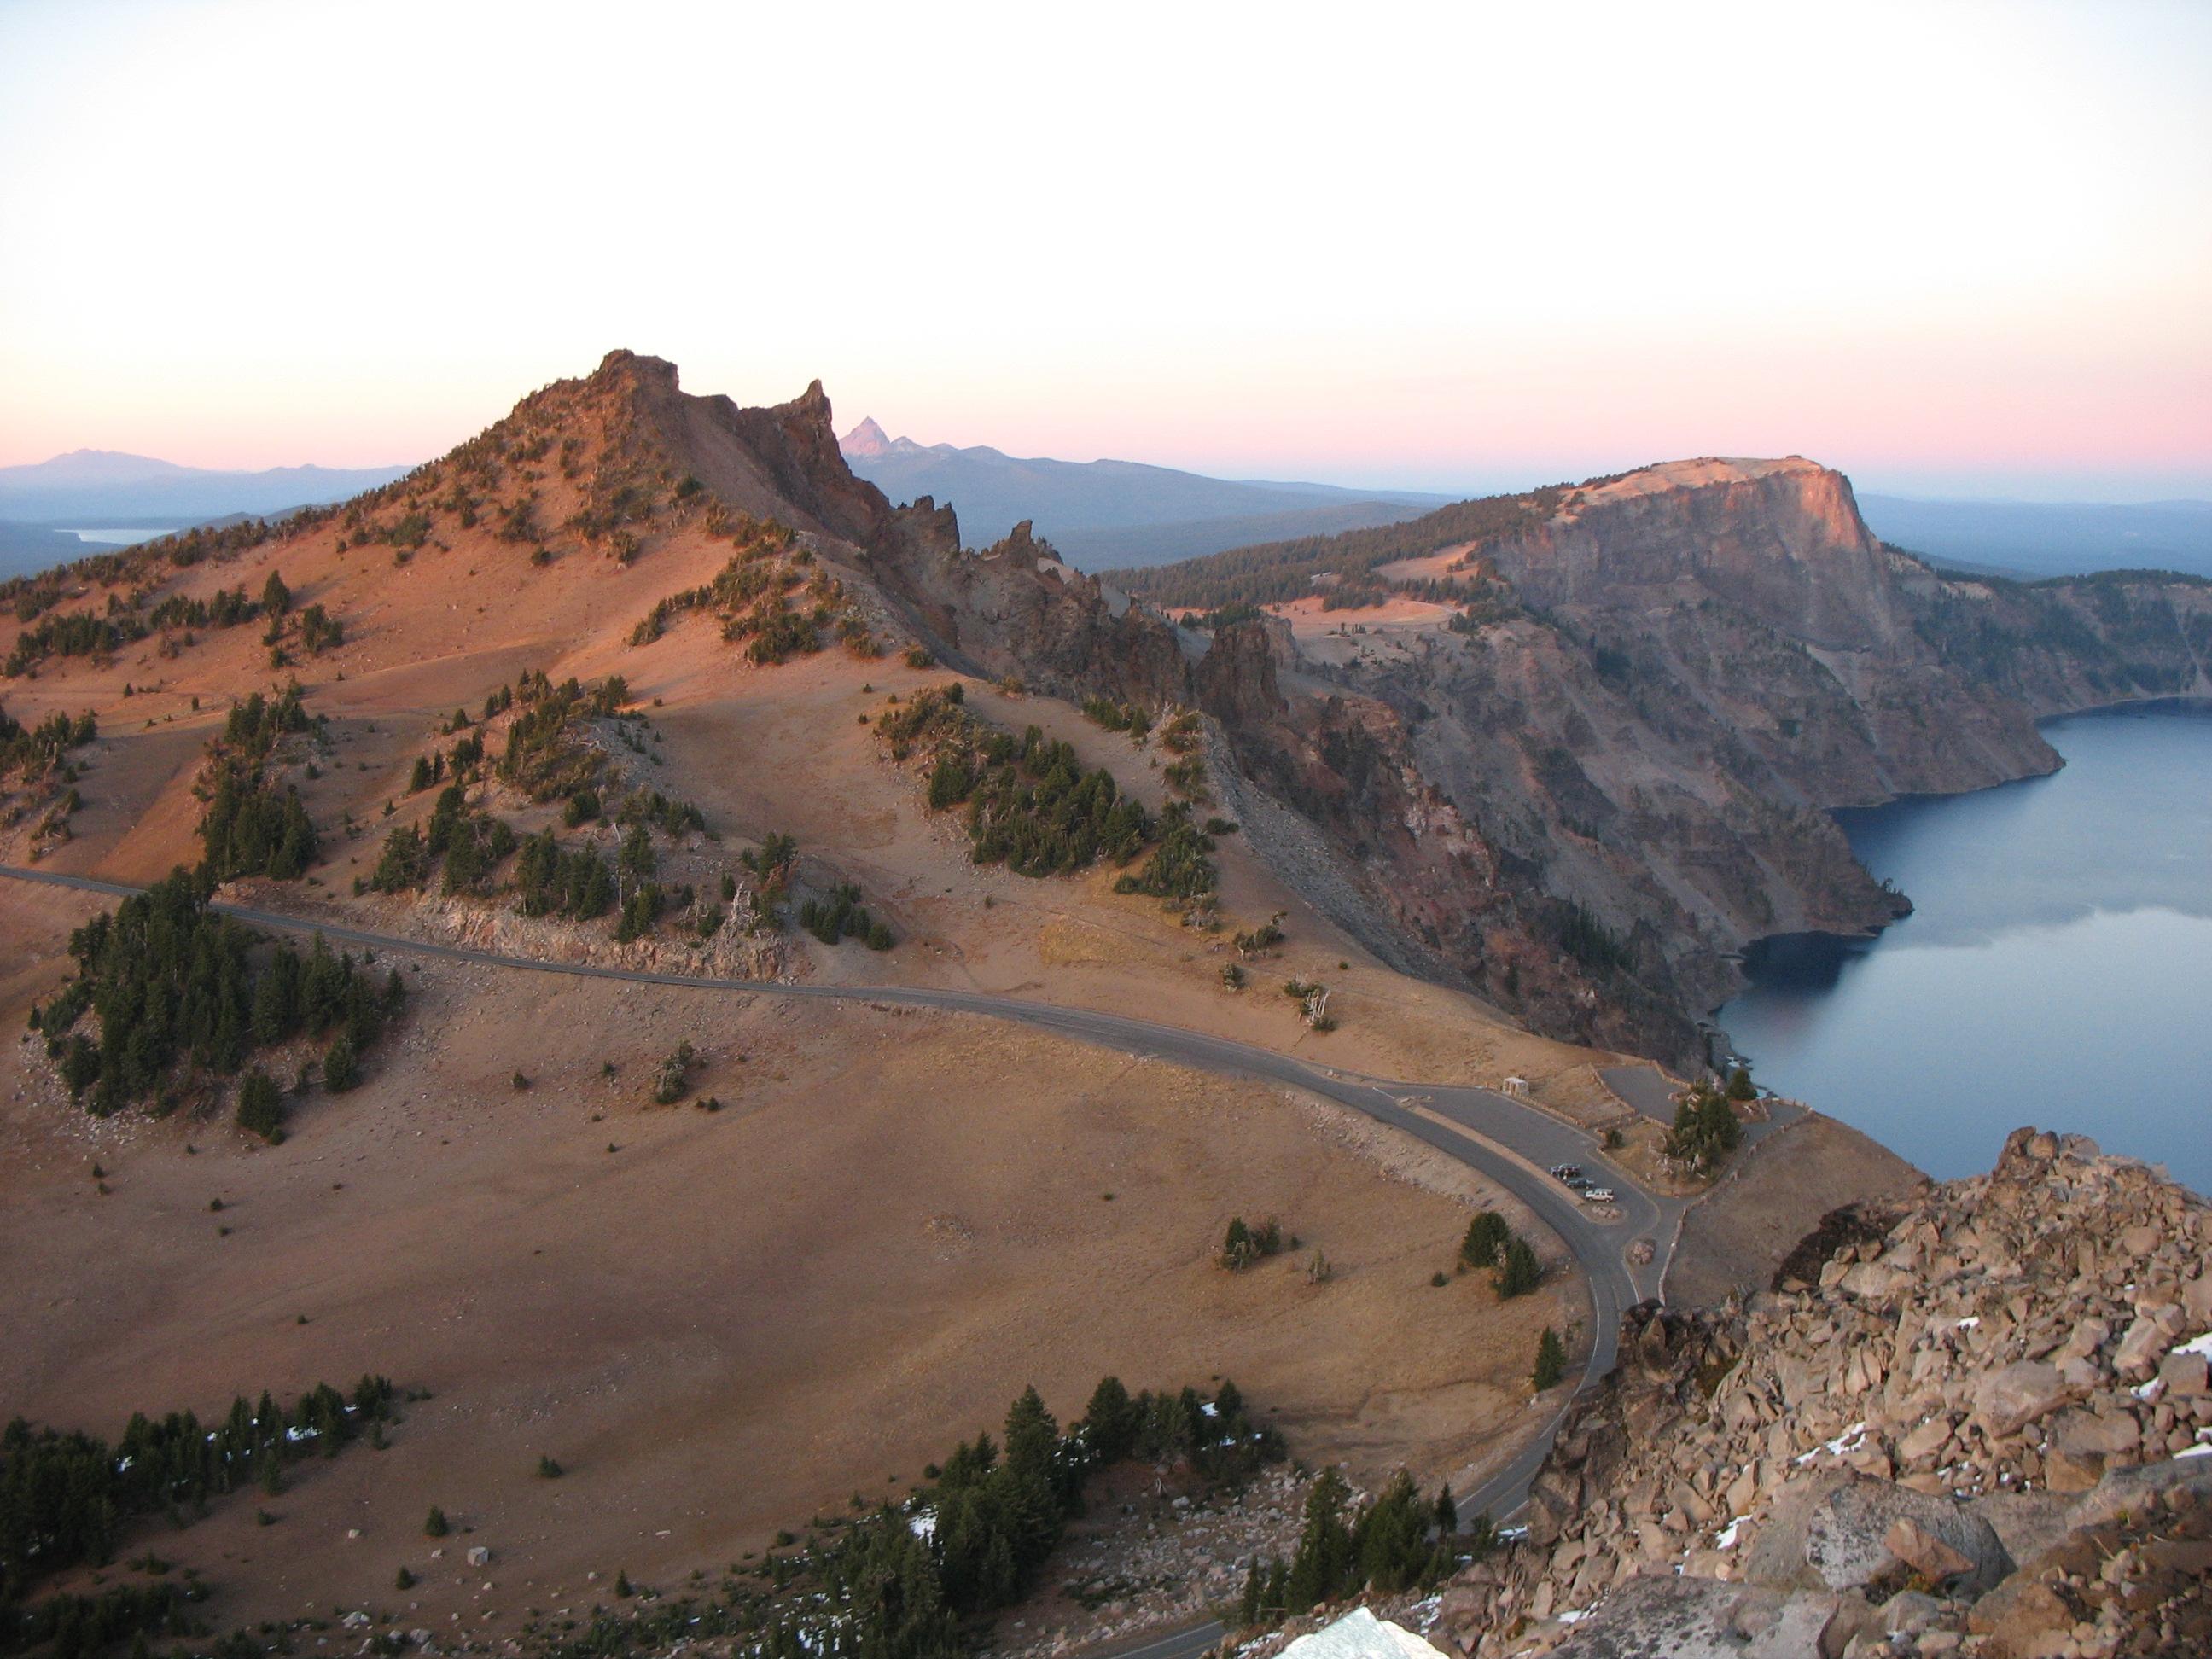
{"x": 1551, "y": 1360}
{"x": 1323, "y": 1563}
{"x": 1110, "y": 1422}
{"x": 261, "y": 1106}
{"x": 1486, "y": 1235}
{"x": 1236, "y": 1247}
{"x": 1517, "y": 1272}
{"x": 341, "y": 1065}
{"x": 434, "y": 1525}
{"x": 1447, "y": 1510}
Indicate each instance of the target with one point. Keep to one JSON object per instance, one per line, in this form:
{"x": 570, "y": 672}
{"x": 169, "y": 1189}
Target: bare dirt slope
{"x": 718, "y": 1322}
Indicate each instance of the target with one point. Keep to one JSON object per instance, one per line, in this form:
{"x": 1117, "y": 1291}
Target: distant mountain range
{"x": 100, "y": 488}
{"x": 2048, "y": 538}
{"x": 44, "y": 506}
{"x": 1100, "y": 513}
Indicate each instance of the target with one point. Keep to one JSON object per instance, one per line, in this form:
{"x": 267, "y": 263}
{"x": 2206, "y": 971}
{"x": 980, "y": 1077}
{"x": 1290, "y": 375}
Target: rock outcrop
{"x": 1654, "y": 695}
{"x": 1987, "y": 1431}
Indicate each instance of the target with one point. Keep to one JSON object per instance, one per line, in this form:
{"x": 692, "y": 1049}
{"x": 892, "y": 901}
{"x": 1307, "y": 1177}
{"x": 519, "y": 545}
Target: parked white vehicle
{"x": 1597, "y": 1194}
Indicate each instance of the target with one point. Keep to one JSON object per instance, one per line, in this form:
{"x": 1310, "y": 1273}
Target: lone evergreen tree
{"x": 1517, "y": 1273}
{"x": 1551, "y": 1360}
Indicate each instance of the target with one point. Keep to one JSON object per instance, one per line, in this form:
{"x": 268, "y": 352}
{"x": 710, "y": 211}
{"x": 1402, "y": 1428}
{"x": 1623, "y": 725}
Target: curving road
{"x": 1508, "y": 1141}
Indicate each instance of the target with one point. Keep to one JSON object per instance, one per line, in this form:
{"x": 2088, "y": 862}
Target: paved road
{"x": 1510, "y": 1142}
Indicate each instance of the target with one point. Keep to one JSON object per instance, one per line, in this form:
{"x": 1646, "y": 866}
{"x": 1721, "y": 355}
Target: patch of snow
{"x": 2196, "y": 1345}
{"x": 922, "y": 1523}
{"x": 1575, "y": 1615}
{"x": 2201, "y": 1449}
{"x": 1848, "y": 1441}
{"x": 1725, "y": 1538}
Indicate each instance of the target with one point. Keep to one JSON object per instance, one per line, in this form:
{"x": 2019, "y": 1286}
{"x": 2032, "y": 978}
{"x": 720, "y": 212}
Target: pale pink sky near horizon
{"x": 1958, "y": 249}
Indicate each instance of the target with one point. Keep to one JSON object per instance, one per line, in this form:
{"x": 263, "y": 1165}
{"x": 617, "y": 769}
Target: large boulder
{"x": 1666, "y": 1617}
{"x": 2012, "y": 1396}
{"x": 2020, "y": 1617}
{"x": 1845, "y": 1532}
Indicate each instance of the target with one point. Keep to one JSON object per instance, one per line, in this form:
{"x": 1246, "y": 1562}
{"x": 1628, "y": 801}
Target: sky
{"x": 1951, "y": 248}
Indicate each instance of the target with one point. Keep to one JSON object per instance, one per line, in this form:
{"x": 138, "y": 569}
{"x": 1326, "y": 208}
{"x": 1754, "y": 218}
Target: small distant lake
{"x": 121, "y": 537}
{"x": 2057, "y": 970}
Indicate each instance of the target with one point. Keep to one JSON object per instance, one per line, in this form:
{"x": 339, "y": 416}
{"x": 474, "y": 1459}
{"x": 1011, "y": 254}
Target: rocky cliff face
{"x": 1781, "y": 540}
{"x": 1981, "y": 1431}
{"x": 1614, "y": 767}
{"x": 1013, "y": 608}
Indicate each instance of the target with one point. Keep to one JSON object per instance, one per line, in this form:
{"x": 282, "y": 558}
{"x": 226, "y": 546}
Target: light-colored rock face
{"x": 1992, "y": 1407}
{"x": 1781, "y": 539}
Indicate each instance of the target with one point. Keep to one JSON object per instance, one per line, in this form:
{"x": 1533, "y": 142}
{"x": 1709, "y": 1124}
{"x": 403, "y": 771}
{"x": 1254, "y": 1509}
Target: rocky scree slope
{"x": 1986, "y": 1429}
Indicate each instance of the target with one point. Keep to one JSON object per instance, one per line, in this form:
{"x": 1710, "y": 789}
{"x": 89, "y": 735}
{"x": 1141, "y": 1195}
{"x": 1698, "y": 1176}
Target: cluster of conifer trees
{"x": 91, "y": 634}
{"x": 172, "y": 981}
{"x": 1705, "y": 1130}
{"x": 249, "y": 828}
{"x": 543, "y": 758}
{"x": 554, "y": 881}
{"x": 1491, "y": 1242}
{"x": 1399, "y": 1541}
{"x": 64, "y": 1498}
{"x": 1181, "y": 865}
{"x": 1032, "y": 808}
{"x": 843, "y": 917}
{"x": 1118, "y": 716}
{"x": 548, "y": 879}
{"x": 916, "y": 1582}
{"x": 34, "y": 750}
{"x": 32, "y": 595}
{"x": 73, "y": 1626}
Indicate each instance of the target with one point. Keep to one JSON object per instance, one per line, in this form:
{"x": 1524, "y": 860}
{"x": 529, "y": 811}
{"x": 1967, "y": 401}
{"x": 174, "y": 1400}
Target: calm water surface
{"x": 2057, "y": 969}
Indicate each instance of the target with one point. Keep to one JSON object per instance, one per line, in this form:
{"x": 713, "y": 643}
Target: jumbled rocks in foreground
{"x": 1984, "y": 1432}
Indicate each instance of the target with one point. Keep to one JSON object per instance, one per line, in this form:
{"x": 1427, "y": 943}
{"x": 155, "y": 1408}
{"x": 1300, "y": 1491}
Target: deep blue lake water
{"x": 2057, "y": 970}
